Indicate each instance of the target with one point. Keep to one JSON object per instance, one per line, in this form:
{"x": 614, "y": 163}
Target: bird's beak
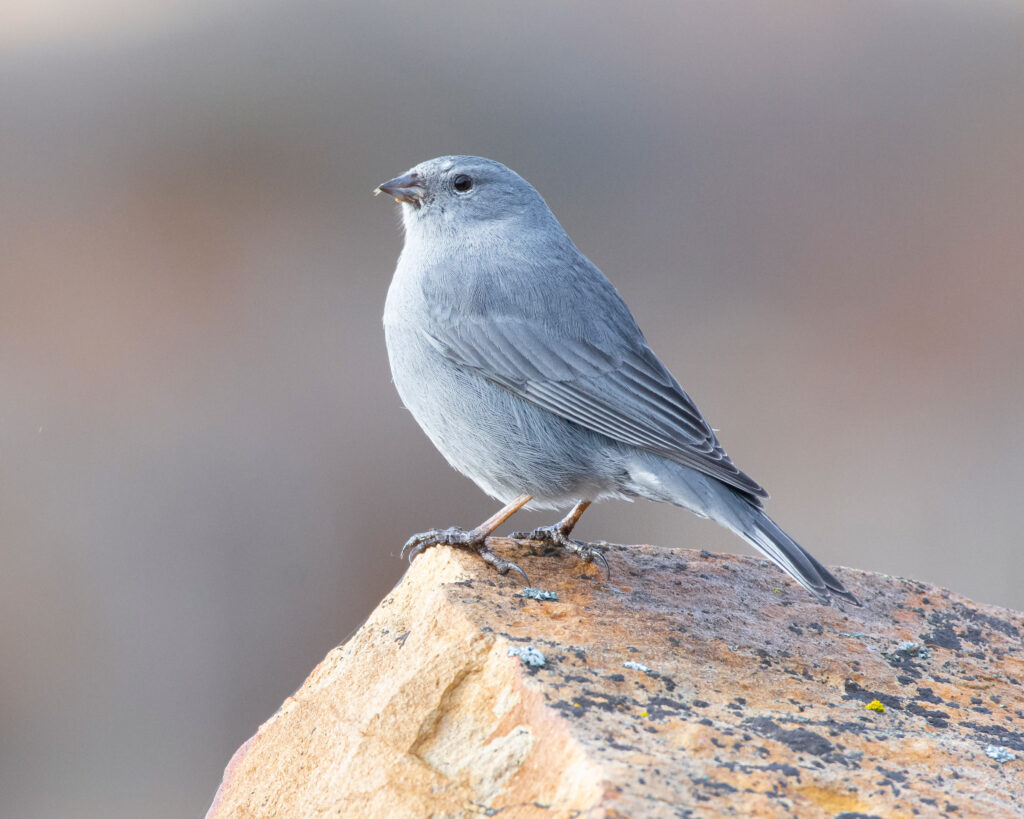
{"x": 406, "y": 188}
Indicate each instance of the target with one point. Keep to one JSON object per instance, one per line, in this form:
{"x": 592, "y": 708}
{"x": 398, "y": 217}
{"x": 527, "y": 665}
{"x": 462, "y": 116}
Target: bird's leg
{"x": 558, "y": 535}
{"x": 475, "y": 539}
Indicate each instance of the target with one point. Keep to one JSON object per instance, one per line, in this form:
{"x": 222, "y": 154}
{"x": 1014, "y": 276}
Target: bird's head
{"x": 455, "y": 193}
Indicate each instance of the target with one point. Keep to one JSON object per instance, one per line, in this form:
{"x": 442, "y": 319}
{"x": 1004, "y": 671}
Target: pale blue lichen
{"x": 914, "y": 648}
{"x": 538, "y": 594}
{"x": 1000, "y": 754}
{"x": 528, "y": 654}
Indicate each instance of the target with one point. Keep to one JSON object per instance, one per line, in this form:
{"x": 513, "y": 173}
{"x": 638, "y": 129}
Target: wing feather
{"x": 618, "y": 389}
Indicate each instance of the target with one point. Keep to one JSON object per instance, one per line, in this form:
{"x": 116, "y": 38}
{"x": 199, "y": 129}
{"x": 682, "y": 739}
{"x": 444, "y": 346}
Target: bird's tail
{"x": 662, "y": 480}
{"x": 765, "y": 535}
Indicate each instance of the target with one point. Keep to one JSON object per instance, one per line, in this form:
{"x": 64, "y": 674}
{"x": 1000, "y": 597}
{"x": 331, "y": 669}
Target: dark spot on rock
{"x": 570, "y": 709}
{"x": 1004, "y": 736}
{"x": 799, "y": 740}
{"x": 974, "y": 635}
{"x": 855, "y": 692}
{"x": 937, "y": 719}
{"x": 606, "y": 702}
{"x": 995, "y": 623}
{"x": 660, "y": 707}
{"x": 907, "y": 663}
{"x": 927, "y": 695}
{"x": 895, "y": 776}
{"x": 782, "y": 768}
{"x": 943, "y": 637}
{"x": 711, "y": 784}
{"x": 619, "y": 746}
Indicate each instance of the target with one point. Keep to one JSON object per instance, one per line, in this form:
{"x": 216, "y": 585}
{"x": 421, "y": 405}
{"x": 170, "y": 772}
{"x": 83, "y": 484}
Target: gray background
{"x": 815, "y": 211}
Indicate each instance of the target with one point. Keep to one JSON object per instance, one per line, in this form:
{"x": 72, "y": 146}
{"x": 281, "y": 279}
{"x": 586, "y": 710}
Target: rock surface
{"x": 688, "y": 684}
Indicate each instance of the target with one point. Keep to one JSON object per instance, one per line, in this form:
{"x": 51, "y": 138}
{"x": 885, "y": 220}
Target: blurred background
{"x": 816, "y": 212}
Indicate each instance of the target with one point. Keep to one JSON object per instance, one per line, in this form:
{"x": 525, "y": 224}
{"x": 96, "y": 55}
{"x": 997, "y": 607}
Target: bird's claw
{"x": 499, "y": 563}
{"x": 453, "y": 536}
{"x": 461, "y": 538}
{"x": 554, "y": 536}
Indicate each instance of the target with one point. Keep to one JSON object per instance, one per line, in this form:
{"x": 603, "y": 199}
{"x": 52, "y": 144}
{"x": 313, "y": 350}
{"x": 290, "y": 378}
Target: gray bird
{"x": 524, "y": 366}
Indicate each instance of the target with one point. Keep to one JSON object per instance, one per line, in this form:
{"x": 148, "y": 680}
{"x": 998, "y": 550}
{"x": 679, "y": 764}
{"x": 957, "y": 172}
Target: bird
{"x": 523, "y": 365}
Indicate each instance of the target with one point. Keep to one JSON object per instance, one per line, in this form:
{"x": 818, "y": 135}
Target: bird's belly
{"x": 503, "y": 443}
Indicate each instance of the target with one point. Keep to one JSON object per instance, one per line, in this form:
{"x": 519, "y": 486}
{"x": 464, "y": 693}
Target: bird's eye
{"x": 462, "y": 183}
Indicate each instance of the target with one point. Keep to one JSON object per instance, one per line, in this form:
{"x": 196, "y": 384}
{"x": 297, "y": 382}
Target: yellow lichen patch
{"x": 875, "y": 705}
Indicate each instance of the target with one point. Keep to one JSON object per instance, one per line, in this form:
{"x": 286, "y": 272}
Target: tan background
{"x": 815, "y": 211}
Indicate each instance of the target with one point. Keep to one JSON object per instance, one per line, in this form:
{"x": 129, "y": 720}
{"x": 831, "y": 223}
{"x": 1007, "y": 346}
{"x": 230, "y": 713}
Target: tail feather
{"x": 764, "y": 534}
{"x": 833, "y": 584}
{"x": 662, "y": 480}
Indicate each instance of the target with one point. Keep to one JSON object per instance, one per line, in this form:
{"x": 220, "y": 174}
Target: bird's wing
{"x": 619, "y": 389}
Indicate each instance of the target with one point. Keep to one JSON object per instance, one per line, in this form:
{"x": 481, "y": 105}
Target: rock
{"x": 688, "y": 684}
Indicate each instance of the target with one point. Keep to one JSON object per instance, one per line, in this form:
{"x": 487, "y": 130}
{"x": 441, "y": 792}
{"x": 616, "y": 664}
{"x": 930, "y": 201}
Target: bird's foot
{"x": 454, "y": 536}
{"x": 554, "y": 535}
{"x": 463, "y": 539}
